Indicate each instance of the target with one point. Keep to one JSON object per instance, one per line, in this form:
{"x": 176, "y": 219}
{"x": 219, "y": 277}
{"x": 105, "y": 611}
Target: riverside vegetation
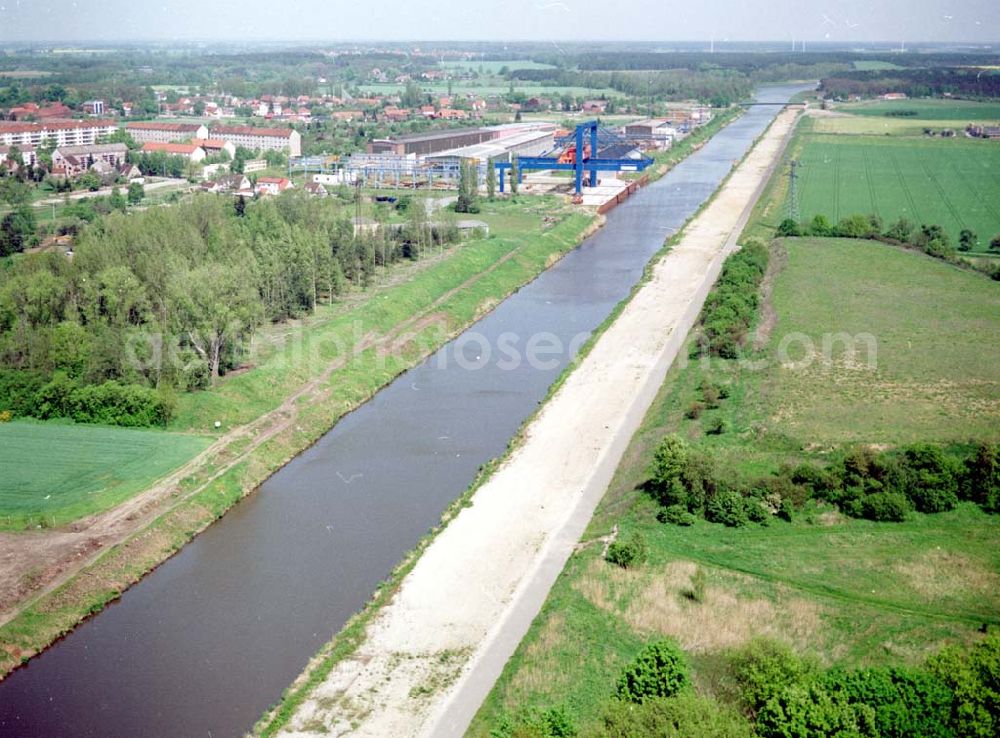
{"x": 807, "y": 543}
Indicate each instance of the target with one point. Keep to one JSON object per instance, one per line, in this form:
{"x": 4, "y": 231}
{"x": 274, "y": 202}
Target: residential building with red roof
{"x": 260, "y": 139}
{"x": 55, "y": 132}
{"x": 190, "y": 151}
{"x": 273, "y": 185}
{"x": 158, "y": 131}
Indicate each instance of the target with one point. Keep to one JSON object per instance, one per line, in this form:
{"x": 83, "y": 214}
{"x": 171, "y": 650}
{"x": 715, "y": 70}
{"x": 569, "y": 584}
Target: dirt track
{"x": 34, "y": 563}
{"x": 433, "y": 653}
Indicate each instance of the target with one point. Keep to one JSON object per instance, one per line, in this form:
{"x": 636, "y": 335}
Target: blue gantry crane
{"x": 581, "y": 153}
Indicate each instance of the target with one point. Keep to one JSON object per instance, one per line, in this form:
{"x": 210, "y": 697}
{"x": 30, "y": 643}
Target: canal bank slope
{"x": 432, "y": 654}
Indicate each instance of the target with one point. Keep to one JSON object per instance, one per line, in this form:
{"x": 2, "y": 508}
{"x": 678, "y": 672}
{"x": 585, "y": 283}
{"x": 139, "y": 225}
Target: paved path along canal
{"x": 207, "y": 641}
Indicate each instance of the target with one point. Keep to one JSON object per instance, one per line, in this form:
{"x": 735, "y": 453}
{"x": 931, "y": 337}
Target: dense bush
{"x": 675, "y": 515}
{"x": 885, "y": 507}
{"x": 907, "y": 703}
{"x": 881, "y": 486}
{"x": 660, "y": 670}
{"x": 666, "y": 472}
{"x": 809, "y": 711}
{"x": 628, "y": 552}
{"x": 931, "y": 478}
{"x": 973, "y": 675}
{"x": 683, "y": 716}
{"x": 981, "y": 478}
{"x": 764, "y": 667}
{"x": 554, "y": 722}
{"x": 28, "y": 394}
{"x": 727, "y": 507}
{"x": 928, "y": 238}
{"x": 731, "y": 306}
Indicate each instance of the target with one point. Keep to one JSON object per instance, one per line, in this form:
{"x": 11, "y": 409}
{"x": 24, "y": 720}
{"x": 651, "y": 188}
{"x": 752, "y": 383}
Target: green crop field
{"x": 871, "y": 125}
{"x": 849, "y": 592}
{"x": 954, "y": 183}
{"x": 929, "y": 109}
{"x": 55, "y": 473}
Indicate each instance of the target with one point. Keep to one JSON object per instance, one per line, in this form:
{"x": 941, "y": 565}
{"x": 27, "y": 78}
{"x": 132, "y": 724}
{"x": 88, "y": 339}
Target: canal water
{"x": 203, "y": 645}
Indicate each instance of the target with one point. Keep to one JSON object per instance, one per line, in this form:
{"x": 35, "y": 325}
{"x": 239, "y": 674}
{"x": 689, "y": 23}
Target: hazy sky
{"x": 500, "y": 20}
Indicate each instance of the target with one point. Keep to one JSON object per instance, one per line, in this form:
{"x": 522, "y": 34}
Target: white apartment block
{"x": 152, "y": 131}
{"x": 55, "y": 132}
{"x": 260, "y": 139}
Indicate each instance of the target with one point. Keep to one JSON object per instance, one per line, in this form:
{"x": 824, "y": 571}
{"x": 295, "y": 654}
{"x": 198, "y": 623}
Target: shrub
{"x": 807, "y": 710}
{"x": 18, "y": 389}
{"x": 112, "y": 403}
{"x": 973, "y": 675}
{"x": 683, "y": 716}
{"x": 700, "y": 479}
{"x": 732, "y": 304}
{"x": 660, "y": 670}
{"x": 757, "y": 511}
{"x": 665, "y": 482}
{"x": 727, "y": 507}
{"x": 629, "y": 552}
{"x": 901, "y": 230}
{"x": 694, "y": 411}
{"x": 554, "y": 722}
{"x": 981, "y": 478}
{"x": 717, "y": 427}
{"x": 820, "y": 226}
{"x": 55, "y": 399}
{"x": 675, "y": 515}
{"x": 890, "y": 507}
{"x": 788, "y": 228}
{"x": 931, "y": 478}
{"x": 906, "y": 703}
{"x": 764, "y": 667}
{"x": 855, "y": 226}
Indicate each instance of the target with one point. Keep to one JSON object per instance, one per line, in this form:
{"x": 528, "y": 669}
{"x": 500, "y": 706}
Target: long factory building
{"x": 508, "y": 137}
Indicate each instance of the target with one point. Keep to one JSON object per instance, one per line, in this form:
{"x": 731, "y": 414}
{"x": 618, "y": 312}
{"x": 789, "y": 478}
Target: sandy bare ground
{"x": 433, "y": 653}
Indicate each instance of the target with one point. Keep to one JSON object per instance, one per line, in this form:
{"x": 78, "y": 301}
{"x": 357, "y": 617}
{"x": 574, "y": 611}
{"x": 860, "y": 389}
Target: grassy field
{"x": 85, "y": 468}
{"x": 928, "y": 109}
{"x": 949, "y": 182}
{"x": 97, "y": 468}
{"x": 850, "y": 592}
{"x": 494, "y": 67}
{"x": 872, "y": 125}
{"x": 489, "y": 87}
{"x": 454, "y": 289}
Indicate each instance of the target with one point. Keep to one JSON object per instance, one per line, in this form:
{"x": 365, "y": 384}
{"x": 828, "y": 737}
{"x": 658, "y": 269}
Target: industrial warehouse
{"x": 536, "y": 152}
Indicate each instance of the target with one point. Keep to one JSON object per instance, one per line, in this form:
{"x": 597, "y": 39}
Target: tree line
{"x": 776, "y": 693}
{"x": 928, "y": 238}
{"x": 169, "y": 299}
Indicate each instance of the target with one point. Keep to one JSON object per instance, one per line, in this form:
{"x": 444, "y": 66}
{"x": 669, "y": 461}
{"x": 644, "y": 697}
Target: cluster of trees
{"x": 731, "y": 306}
{"x": 35, "y": 394}
{"x": 171, "y": 297}
{"x": 882, "y": 486}
{"x": 779, "y": 694}
{"x": 468, "y": 187}
{"x": 967, "y": 82}
{"x": 931, "y": 239}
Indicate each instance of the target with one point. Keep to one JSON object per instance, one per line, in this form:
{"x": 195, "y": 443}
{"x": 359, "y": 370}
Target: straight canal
{"x": 204, "y": 644}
